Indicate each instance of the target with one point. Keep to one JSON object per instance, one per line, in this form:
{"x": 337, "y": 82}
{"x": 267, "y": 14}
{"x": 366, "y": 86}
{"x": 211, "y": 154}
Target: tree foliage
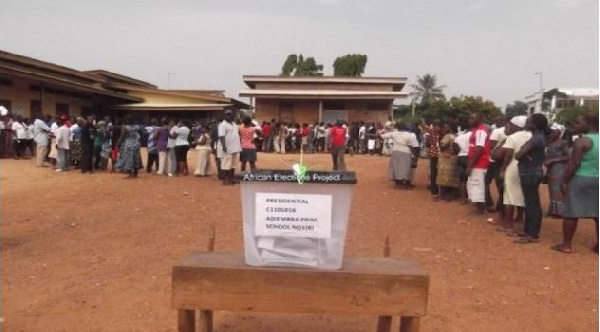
{"x": 458, "y": 109}
{"x": 350, "y": 65}
{"x": 427, "y": 90}
{"x": 568, "y": 115}
{"x": 516, "y": 108}
{"x": 296, "y": 65}
{"x": 289, "y": 65}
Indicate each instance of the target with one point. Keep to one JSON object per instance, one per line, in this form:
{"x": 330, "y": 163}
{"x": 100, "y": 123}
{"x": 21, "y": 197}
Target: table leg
{"x": 186, "y": 320}
{"x": 409, "y": 324}
{"x": 384, "y": 323}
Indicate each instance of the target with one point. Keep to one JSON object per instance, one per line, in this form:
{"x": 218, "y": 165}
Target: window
{"x": 378, "y": 106}
{"x": 62, "y": 109}
{"x": 35, "y": 106}
{"x": 589, "y": 103}
{"x": 5, "y": 81}
{"x": 332, "y": 105}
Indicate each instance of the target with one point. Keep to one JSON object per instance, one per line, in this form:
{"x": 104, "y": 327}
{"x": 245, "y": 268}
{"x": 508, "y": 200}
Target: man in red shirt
{"x": 479, "y": 160}
{"x": 268, "y": 137}
{"x": 337, "y": 143}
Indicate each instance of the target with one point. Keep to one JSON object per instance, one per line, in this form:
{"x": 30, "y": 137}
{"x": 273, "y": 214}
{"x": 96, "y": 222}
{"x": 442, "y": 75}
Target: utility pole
{"x": 169, "y": 80}
{"x": 541, "y": 89}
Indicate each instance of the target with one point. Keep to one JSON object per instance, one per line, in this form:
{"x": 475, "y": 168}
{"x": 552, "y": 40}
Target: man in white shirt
{"x": 63, "y": 139}
{"x": 172, "y": 164}
{"x": 462, "y": 146}
{"x": 493, "y": 173}
{"x": 19, "y": 136}
{"x": 362, "y": 137}
{"x": 228, "y": 147}
{"x": 40, "y": 136}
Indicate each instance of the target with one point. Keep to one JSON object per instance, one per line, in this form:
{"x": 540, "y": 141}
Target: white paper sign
{"x": 371, "y": 144}
{"x": 293, "y": 215}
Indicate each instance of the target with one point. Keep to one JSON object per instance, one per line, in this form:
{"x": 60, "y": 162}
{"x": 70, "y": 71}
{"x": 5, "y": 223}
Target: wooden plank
{"x": 379, "y": 286}
{"x": 384, "y": 323}
{"x": 186, "y": 321}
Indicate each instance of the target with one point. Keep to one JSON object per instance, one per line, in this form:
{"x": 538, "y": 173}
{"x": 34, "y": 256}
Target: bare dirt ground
{"x": 94, "y": 253}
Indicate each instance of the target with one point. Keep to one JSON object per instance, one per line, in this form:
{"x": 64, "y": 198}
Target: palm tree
{"x": 426, "y": 89}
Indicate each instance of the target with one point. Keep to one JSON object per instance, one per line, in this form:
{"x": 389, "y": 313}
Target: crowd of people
{"x": 517, "y": 155}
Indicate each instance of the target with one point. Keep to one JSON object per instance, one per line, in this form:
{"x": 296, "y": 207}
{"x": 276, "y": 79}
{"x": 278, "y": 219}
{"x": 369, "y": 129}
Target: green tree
{"x": 427, "y": 90}
{"x": 298, "y": 66}
{"x": 289, "y": 65}
{"x": 516, "y": 108}
{"x": 350, "y": 65}
{"x": 568, "y": 115}
{"x": 461, "y": 107}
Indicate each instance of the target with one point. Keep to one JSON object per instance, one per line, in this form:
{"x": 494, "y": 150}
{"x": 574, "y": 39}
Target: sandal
{"x": 515, "y": 234}
{"x": 526, "y": 239}
{"x": 559, "y": 248}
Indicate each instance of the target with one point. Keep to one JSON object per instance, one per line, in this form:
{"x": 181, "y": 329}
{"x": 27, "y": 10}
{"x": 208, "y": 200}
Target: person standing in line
{"x": 248, "y": 154}
{"x": 509, "y": 171}
{"x": 580, "y": 181}
{"x": 40, "y": 135}
{"x": 63, "y": 140}
{"x": 493, "y": 172}
{"x": 433, "y": 143}
{"x": 557, "y": 156}
{"x": 461, "y": 145}
{"x": 337, "y": 143}
{"x": 129, "y": 160}
{"x": 479, "y": 159}
{"x": 182, "y": 146}
{"x": 75, "y": 149}
{"x": 268, "y": 137}
{"x": 304, "y": 137}
{"x": 203, "y": 148}
{"x": 172, "y": 157}
{"x": 228, "y": 147}
{"x": 402, "y": 156}
{"x": 321, "y": 134}
{"x": 19, "y": 132}
{"x": 87, "y": 145}
{"x": 161, "y": 139}
{"x": 214, "y": 138}
{"x": 447, "y": 179}
{"x": 115, "y": 139}
{"x": 99, "y": 140}
{"x": 29, "y": 136}
{"x": 362, "y": 138}
{"x": 152, "y": 150}
{"x": 283, "y": 136}
{"x": 531, "y": 158}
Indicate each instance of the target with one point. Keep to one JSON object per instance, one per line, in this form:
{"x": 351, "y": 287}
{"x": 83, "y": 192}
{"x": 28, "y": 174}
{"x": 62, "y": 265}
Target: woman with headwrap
{"x": 557, "y": 156}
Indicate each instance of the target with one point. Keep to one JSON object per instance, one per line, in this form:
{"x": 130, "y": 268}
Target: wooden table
{"x": 210, "y": 281}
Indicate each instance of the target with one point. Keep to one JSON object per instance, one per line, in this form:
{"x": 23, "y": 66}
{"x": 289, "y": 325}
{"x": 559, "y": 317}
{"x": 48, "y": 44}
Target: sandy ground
{"x": 94, "y": 253}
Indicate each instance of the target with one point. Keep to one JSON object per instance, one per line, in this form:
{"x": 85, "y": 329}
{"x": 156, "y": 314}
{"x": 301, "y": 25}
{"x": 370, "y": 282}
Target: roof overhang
{"x": 397, "y": 83}
{"x": 7, "y": 69}
{"x": 171, "y": 107}
{"x": 323, "y": 94}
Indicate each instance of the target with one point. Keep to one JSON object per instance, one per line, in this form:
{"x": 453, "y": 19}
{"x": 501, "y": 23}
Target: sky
{"x": 488, "y": 48}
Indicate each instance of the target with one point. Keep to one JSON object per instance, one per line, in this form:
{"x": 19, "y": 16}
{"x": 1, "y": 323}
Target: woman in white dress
{"x": 513, "y": 194}
{"x": 403, "y": 154}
